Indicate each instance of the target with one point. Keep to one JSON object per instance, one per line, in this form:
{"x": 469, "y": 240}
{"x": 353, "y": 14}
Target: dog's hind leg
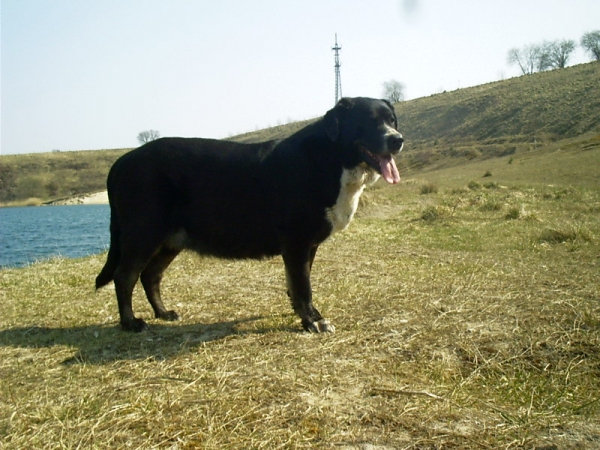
{"x": 139, "y": 246}
{"x": 151, "y": 277}
{"x": 126, "y": 276}
{"x": 298, "y": 261}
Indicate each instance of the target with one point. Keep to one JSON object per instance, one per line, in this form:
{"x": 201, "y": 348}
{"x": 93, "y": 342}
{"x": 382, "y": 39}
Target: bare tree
{"x": 147, "y": 136}
{"x": 393, "y": 91}
{"x": 559, "y": 52}
{"x": 591, "y": 44}
{"x": 530, "y": 59}
{"x": 515, "y": 57}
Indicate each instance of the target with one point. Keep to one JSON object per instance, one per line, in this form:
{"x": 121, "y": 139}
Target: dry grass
{"x": 468, "y": 331}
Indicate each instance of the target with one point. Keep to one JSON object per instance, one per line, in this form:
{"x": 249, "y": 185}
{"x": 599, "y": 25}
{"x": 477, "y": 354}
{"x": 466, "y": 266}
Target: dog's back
{"x": 223, "y": 201}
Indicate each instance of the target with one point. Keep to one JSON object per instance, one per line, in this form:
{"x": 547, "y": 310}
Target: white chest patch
{"x": 352, "y": 185}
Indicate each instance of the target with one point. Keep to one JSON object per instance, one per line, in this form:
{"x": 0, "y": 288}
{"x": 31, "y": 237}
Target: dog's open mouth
{"x": 384, "y": 164}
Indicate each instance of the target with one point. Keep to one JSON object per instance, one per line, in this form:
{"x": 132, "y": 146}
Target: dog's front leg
{"x": 298, "y": 261}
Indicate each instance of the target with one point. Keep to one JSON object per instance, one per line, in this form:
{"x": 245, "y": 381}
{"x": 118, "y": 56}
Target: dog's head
{"x": 366, "y": 130}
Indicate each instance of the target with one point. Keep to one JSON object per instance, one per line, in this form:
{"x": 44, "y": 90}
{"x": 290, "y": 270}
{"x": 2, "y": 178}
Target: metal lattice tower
{"x": 338, "y": 79}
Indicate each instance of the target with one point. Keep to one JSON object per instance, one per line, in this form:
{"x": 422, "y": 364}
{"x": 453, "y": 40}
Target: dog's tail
{"x": 114, "y": 252}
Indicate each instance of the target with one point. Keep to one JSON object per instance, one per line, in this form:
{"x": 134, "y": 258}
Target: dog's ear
{"x": 333, "y": 117}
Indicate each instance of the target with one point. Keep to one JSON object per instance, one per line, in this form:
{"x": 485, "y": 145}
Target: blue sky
{"x": 92, "y": 74}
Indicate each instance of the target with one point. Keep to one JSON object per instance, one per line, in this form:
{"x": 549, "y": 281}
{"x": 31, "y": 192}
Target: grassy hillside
{"x": 467, "y": 310}
{"x": 497, "y": 119}
{"x": 555, "y": 104}
{"x": 38, "y": 177}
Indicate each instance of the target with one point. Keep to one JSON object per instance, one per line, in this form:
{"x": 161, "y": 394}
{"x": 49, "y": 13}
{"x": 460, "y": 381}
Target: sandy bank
{"x": 98, "y": 198}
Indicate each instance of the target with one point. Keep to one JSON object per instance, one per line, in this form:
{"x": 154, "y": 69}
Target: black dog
{"x": 234, "y": 200}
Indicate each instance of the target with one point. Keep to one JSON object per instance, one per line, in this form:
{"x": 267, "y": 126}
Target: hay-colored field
{"x": 466, "y": 318}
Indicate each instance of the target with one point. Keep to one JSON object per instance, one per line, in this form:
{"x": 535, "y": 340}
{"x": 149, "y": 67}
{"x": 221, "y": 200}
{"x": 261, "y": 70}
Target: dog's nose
{"x": 394, "y": 142}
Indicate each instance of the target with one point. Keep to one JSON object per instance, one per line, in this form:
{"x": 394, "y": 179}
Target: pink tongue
{"x": 388, "y": 168}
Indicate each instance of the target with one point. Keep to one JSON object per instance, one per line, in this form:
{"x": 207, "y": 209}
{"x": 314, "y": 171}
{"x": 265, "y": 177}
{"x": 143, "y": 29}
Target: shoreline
{"x": 96, "y": 198}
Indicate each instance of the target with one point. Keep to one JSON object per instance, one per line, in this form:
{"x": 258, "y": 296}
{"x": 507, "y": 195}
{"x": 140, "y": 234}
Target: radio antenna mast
{"x": 338, "y": 79}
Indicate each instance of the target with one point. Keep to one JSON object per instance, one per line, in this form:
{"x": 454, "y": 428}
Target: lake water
{"x": 30, "y": 234}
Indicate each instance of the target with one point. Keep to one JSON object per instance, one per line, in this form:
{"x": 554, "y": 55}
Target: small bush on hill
{"x": 429, "y": 188}
{"x": 565, "y": 233}
{"x": 513, "y": 213}
{"x": 474, "y": 185}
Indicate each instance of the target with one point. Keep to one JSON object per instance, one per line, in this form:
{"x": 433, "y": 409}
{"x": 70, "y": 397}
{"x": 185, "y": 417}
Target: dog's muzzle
{"x": 394, "y": 142}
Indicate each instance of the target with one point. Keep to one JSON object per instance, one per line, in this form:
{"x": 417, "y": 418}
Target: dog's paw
{"x": 135, "y": 325}
{"x": 321, "y": 326}
{"x": 170, "y": 316}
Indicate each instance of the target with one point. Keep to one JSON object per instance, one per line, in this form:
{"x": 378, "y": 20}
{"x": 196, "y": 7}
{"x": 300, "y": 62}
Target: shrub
{"x": 471, "y": 153}
{"x": 431, "y": 214}
{"x": 491, "y": 205}
{"x": 563, "y": 234}
{"x": 509, "y": 151}
{"x": 513, "y": 213}
{"x": 474, "y": 185}
{"x": 31, "y": 186}
{"x": 423, "y": 158}
{"x": 33, "y": 201}
{"x": 429, "y": 188}
{"x": 565, "y": 192}
{"x": 552, "y": 236}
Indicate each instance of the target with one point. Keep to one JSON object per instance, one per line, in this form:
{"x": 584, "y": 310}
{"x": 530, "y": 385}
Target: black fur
{"x": 234, "y": 200}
